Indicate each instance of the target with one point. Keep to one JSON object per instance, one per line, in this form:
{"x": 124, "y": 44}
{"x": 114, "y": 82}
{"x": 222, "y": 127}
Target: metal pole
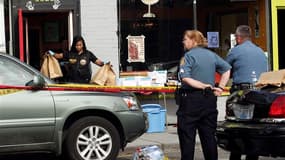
{"x": 194, "y": 14}
{"x": 269, "y": 36}
{"x": 2, "y": 28}
{"x": 70, "y": 29}
{"x": 119, "y": 34}
{"x": 10, "y": 29}
{"x": 21, "y": 34}
{"x": 27, "y": 40}
{"x": 165, "y": 103}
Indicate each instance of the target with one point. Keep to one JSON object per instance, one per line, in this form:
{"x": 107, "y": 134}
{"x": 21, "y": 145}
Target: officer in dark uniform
{"x": 79, "y": 58}
{"x": 198, "y": 107}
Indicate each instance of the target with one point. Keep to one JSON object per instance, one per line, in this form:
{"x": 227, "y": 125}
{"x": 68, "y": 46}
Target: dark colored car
{"x": 255, "y": 123}
{"x": 38, "y": 115}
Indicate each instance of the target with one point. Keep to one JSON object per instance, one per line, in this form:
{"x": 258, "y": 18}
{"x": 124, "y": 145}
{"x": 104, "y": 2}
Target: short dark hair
{"x": 243, "y": 31}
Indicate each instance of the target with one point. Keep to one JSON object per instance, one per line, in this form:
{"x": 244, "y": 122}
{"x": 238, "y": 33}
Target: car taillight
{"x": 277, "y": 108}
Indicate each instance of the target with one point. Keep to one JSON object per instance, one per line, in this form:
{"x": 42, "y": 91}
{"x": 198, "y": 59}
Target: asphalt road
{"x": 223, "y": 155}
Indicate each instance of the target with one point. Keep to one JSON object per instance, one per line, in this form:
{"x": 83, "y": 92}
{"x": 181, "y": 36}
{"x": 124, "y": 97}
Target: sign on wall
{"x": 213, "y": 39}
{"x": 136, "y": 49}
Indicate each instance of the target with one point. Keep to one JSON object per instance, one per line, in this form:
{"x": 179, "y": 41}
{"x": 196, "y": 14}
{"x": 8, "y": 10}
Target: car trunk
{"x": 260, "y": 99}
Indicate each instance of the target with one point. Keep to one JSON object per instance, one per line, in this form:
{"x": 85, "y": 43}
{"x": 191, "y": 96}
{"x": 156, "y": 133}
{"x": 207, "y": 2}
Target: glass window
{"x": 163, "y": 32}
{"x": 12, "y": 73}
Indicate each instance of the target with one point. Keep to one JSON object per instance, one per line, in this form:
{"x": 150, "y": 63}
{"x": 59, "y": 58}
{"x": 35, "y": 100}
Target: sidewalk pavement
{"x": 167, "y": 141}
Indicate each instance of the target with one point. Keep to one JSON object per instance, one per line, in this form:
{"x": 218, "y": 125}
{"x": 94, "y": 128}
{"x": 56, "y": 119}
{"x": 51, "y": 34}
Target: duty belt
{"x": 242, "y": 86}
{"x": 206, "y": 91}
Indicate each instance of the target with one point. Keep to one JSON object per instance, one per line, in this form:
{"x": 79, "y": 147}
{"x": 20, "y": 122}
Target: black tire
{"x": 93, "y": 146}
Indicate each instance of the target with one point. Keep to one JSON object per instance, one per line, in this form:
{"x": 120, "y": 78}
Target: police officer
{"x": 198, "y": 107}
{"x": 248, "y": 61}
{"x": 79, "y": 58}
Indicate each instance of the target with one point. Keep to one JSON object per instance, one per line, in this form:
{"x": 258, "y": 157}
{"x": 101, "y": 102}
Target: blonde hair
{"x": 197, "y": 36}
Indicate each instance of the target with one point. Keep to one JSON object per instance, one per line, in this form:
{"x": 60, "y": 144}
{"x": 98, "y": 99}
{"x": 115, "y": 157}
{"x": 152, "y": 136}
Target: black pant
{"x": 197, "y": 111}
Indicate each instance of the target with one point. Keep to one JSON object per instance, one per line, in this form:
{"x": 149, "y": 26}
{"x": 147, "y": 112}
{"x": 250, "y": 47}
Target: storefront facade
{"x": 108, "y": 25}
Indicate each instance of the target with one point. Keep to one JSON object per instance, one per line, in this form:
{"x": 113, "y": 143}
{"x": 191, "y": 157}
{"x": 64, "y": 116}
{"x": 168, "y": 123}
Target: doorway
{"x": 281, "y": 39}
{"x": 34, "y": 38}
{"x": 277, "y": 13}
{"x": 45, "y": 31}
{"x": 228, "y": 24}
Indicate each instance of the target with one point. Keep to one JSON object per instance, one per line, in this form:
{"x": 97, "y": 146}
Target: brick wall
{"x": 99, "y": 24}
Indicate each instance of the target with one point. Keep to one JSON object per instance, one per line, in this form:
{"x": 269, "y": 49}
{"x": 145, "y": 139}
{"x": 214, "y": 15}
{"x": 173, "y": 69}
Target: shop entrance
{"x": 43, "y": 32}
{"x": 228, "y": 24}
{"x": 277, "y": 13}
{"x": 281, "y": 39}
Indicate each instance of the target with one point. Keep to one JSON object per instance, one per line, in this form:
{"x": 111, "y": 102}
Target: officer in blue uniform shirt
{"x": 248, "y": 61}
{"x": 198, "y": 107}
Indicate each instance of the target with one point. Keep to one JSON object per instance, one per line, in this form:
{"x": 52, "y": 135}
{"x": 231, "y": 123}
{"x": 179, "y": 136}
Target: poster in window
{"x": 213, "y": 39}
{"x": 51, "y": 32}
{"x": 136, "y": 50}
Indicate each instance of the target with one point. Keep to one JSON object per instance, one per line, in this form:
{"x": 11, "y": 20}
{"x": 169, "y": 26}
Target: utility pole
{"x": 195, "y": 14}
{"x": 2, "y": 27}
{"x": 10, "y": 29}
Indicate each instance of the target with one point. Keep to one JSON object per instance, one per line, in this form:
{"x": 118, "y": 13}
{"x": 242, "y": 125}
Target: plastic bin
{"x": 156, "y": 117}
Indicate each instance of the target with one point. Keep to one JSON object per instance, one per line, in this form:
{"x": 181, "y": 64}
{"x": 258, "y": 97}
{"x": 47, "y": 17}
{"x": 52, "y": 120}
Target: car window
{"x": 12, "y": 73}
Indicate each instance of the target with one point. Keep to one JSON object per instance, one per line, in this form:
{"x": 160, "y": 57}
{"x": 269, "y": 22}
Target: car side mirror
{"x": 38, "y": 82}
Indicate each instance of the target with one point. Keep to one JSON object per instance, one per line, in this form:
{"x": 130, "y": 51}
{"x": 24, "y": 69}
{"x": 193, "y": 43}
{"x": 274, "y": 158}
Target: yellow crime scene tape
{"x": 9, "y": 91}
{"x": 166, "y": 89}
{"x": 91, "y": 87}
{"x": 116, "y": 88}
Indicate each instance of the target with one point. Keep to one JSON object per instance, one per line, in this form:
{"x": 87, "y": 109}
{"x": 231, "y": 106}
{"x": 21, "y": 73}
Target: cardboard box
{"x": 159, "y": 78}
{"x": 128, "y": 81}
{"x": 155, "y": 78}
{"x": 275, "y": 78}
{"x": 144, "y": 81}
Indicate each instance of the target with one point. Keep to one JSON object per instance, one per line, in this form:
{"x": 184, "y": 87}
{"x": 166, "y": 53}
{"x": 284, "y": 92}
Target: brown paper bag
{"x": 105, "y": 76}
{"x": 111, "y": 80}
{"x": 50, "y": 67}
